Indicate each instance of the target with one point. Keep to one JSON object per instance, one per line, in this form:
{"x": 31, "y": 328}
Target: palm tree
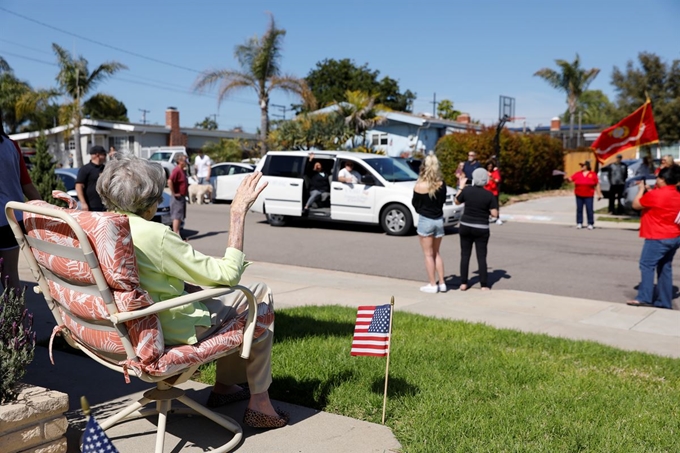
{"x": 361, "y": 112}
{"x": 76, "y": 80}
{"x": 573, "y": 80}
{"x": 18, "y": 101}
{"x": 260, "y": 62}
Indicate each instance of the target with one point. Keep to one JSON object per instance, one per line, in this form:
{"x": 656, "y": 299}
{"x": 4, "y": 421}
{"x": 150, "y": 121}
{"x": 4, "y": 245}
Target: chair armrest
{"x": 157, "y": 307}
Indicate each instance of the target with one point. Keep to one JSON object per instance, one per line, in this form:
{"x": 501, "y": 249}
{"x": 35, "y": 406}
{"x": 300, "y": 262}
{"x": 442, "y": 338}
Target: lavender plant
{"x": 17, "y": 341}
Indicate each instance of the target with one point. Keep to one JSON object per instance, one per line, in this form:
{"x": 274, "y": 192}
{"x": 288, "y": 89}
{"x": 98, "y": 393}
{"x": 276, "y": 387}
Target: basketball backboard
{"x": 506, "y": 107}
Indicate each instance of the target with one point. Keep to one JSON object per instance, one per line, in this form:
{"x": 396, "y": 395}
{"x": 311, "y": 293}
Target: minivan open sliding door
{"x": 283, "y": 194}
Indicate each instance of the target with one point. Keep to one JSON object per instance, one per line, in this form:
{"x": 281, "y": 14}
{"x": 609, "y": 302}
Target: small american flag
{"x": 95, "y": 440}
{"x": 372, "y": 331}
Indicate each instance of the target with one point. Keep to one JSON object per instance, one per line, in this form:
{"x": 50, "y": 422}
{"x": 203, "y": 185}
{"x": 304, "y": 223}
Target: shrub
{"x": 42, "y": 174}
{"x": 527, "y": 162}
{"x": 17, "y": 342}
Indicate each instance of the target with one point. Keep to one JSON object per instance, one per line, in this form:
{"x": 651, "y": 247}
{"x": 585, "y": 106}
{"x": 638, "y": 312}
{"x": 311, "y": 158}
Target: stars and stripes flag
{"x": 372, "y": 331}
{"x": 95, "y": 440}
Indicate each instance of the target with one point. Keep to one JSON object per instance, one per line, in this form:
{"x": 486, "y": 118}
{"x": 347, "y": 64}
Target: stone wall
{"x": 35, "y": 423}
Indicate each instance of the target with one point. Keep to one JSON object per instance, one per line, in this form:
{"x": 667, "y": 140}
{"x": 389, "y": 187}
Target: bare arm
{"x": 31, "y": 192}
{"x": 598, "y": 190}
{"x": 80, "y": 190}
{"x": 641, "y": 192}
{"x": 246, "y": 194}
{"x": 494, "y": 212}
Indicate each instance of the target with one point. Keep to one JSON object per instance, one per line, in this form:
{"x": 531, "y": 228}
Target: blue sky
{"x": 467, "y": 51}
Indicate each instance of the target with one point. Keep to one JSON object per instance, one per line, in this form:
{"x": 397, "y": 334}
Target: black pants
{"x": 615, "y": 193}
{"x": 480, "y": 238}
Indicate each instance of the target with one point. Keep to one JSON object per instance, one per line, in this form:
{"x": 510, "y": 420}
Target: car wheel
{"x": 396, "y": 220}
{"x": 276, "y": 219}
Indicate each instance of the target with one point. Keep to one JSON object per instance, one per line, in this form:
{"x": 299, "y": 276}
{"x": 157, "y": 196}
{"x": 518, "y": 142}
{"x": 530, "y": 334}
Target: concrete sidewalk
{"x": 636, "y": 329}
{"x": 558, "y": 211}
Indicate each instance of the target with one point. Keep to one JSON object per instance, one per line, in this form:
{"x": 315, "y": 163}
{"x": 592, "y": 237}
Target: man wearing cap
{"x": 86, "y": 181}
{"x": 618, "y": 173}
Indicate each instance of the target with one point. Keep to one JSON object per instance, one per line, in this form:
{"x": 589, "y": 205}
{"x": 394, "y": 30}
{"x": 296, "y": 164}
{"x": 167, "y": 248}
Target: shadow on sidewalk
{"x": 291, "y": 327}
{"x": 453, "y": 281}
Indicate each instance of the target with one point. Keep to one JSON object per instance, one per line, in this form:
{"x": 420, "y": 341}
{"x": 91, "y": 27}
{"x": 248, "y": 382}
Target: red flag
{"x": 636, "y": 129}
{"x": 372, "y": 331}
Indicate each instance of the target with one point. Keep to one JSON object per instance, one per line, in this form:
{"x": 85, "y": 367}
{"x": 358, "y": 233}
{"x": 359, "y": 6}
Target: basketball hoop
{"x": 512, "y": 119}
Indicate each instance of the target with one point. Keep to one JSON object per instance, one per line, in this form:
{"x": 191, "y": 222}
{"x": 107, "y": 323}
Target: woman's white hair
{"x": 131, "y": 184}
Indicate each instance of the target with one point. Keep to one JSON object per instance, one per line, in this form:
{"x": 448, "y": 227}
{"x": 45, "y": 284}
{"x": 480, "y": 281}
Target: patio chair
{"x": 85, "y": 266}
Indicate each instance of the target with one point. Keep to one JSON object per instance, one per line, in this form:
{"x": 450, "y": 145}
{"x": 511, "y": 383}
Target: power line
{"x": 135, "y": 54}
{"x": 25, "y": 46}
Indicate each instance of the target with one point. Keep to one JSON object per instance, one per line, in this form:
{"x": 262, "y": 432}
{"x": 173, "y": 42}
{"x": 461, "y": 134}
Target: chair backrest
{"x": 86, "y": 267}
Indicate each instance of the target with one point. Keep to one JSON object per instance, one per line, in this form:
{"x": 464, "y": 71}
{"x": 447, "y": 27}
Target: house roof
{"x": 90, "y": 126}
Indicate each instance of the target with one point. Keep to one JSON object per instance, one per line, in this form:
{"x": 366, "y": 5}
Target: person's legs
{"x": 664, "y": 268}
{"x": 466, "y": 242}
{"x": 589, "y": 210}
{"x": 481, "y": 242}
{"x": 313, "y": 195}
{"x": 10, "y": 268}
{"x": 618, "y": 194}
{"x": 438, "y": 262}
{"x": 652, "y": 252}
{"x": 426, "y": 243}
{"x": 612, "y": 199}
{"x": 579, "y": 210}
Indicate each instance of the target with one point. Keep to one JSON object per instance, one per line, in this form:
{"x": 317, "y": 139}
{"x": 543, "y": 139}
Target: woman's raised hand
{"x": 247, "y": 193}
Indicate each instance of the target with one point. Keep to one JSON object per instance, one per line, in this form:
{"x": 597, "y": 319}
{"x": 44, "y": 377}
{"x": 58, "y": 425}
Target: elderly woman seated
{"x": 133, "y": 187}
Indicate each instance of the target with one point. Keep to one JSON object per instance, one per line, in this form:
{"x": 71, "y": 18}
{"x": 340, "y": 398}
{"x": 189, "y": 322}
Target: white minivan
{"x": 382, "y": 197}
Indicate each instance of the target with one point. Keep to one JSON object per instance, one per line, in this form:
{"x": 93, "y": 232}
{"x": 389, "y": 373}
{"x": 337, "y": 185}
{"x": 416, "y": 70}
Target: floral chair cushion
{"x": 109, "y": 235}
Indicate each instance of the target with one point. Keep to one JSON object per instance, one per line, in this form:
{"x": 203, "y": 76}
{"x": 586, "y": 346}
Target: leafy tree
{"x": 76, "y": 81}
{"x": 661, "y": 82}
{"x": 43, "y": 175}
{"x": 104, "y": 107}
{"x": 260, "y": 62}
{"x": 446, "y": 111}
{"x": 226, "y": 150}
{"x": 311, "y": 131}
{"x": 19, "y": 102}
{"x": 208, "y": 123}
{"x": 361, "y": 113}
{"x": 596, "y": 109}
{"x": 573, "y": 80}
{"x": 332, "y": 79}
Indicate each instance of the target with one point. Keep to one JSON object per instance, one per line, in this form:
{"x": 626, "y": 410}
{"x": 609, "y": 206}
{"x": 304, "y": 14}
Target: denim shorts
{"x": 429, "y": 227}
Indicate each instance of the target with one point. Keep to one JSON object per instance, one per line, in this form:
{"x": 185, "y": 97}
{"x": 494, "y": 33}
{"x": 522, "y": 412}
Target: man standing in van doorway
{"x": 348, "y": 174}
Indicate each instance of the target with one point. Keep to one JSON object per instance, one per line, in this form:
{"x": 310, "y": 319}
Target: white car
{"x": 383, "y": 197}
{"x": 226, "y": 177}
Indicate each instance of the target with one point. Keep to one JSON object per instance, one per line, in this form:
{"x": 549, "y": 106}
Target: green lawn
{"x": 461, "y": 387}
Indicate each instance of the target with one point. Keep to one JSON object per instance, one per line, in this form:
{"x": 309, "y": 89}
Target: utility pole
{"x": 144, "y": 112}
{"x": 283, "y": 110}
{"x": 434, "y": 106}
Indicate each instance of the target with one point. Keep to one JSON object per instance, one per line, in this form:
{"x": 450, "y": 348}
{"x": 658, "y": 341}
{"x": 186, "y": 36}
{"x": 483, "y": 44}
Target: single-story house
{"x": 404, "y": 134}
{"x": 130, "y": 137}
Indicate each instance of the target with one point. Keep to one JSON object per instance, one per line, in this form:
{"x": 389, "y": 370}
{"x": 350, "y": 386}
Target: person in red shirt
{"x": 660, "y": 228}
{"x": 179, "y": 187}
{"x": 494, "y": 184}
{"x": 586, "y": 185}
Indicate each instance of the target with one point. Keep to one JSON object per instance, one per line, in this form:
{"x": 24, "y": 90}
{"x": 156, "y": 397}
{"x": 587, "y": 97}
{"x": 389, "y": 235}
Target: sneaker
{"x": 499, "y": 222}
{"x": 579, "y": 226}
{"x": 442, "y": 288}
{"x": 429, "y": 288}
{"x": 590, "y": 227}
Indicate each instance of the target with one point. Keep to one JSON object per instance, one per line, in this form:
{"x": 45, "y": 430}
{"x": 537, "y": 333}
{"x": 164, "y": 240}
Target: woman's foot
{"x": 429, "y": 288}
{"x": 486, "y": 288}
{"x": 256, "y": 419}
{"x": 463, "y": 287}
{"x": 226, "y": 394}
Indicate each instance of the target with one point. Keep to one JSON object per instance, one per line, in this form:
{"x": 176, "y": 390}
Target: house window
{"x": 122, "y": 143}
{"x": 71, "y": 145}
{"x": 379, "y": 139}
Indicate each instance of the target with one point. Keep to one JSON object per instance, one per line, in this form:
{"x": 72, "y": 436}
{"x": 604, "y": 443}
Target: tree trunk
{"x": 264, "y": 123}
{"x": 571, "y": 129}
{"x": 78, "y": 158}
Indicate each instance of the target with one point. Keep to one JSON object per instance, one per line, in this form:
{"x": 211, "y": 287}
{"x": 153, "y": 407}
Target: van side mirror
{"x": 368, "y": 179}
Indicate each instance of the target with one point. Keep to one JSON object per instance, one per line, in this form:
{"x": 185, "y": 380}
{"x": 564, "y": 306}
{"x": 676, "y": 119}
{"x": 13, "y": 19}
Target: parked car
{"x": 631, "y": 190}
{"x": 165, "y": 155}
{"x": 414, "y": 164}
{"x": 68, "y": 177}
{"x": 633, "y": 166}
{"x": 383, "y": 197}
{"x": 226, "y": 177}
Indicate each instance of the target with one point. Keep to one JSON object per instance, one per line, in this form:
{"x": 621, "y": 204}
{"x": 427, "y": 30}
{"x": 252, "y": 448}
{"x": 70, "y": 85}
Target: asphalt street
{"x": 551, "y": 259}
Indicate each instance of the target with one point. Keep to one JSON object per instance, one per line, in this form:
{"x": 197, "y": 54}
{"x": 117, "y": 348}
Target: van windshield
{"x": 392, "y": 170}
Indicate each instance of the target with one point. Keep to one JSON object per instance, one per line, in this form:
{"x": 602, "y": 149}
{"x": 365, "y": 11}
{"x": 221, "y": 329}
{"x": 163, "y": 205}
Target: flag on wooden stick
{"x": 372, "y": 331}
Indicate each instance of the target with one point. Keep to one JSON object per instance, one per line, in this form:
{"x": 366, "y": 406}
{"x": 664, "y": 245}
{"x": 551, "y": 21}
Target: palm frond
{"x": 102, "y": 72}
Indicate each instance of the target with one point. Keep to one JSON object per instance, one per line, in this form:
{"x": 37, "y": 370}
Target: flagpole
{"x": 387, "y": 365}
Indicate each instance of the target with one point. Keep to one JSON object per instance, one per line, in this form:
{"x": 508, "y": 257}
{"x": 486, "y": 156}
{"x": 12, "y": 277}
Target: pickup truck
{"x": 165, "y": 155}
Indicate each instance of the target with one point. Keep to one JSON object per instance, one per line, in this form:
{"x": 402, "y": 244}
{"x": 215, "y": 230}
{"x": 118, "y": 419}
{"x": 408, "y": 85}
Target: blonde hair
{"x": 668, "y": 159}
{"x": 430, "y": 174}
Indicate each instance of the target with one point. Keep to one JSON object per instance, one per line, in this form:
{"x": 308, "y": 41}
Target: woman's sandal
{"x": 218, "y": 399}
{"x": 256, "y": 419}
{"x": 635, "y": 303}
